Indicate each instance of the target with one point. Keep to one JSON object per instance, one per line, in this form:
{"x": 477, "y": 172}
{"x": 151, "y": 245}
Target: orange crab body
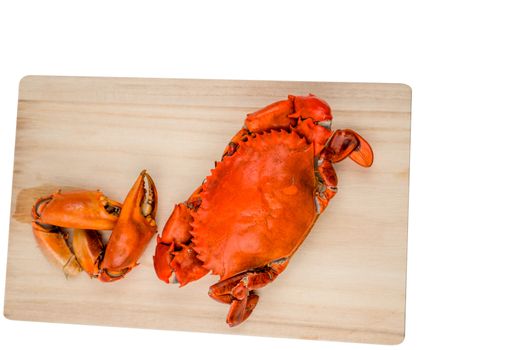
{"x": 132, "y": 224}
{"x": 277, "y": 208}
{"x": 259, "y": 203}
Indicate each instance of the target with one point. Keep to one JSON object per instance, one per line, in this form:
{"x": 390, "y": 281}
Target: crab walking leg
{"x": 174, "y": 249}
{"x": 239, "y": 290}
{"x": 134, "y": 229}
{"x": 53, "y": 243}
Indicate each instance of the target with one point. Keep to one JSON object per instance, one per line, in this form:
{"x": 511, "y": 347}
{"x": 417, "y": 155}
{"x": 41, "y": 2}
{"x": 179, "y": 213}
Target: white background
{"x": 464, "y": 63}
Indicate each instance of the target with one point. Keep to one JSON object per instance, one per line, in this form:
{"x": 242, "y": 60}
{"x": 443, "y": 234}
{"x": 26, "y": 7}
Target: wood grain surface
{"x": 346, "y": 282}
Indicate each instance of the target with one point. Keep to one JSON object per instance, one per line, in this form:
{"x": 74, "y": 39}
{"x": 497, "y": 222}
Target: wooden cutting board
{"x": 345, "y": 283}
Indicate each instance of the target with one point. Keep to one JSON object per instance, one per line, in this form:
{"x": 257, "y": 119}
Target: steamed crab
{"x": 260, "y": 202}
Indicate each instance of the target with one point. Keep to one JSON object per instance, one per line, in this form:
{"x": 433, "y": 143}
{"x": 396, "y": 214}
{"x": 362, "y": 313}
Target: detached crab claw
{"x": 133, "y": 231}
{"x": 79, "y": 209}
{"x": 133, "y": 225}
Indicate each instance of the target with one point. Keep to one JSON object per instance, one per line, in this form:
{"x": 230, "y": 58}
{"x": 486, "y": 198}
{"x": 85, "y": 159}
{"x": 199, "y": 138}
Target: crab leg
{"x": 134, "y": 229}
{"x": 239, "y": 290}
{"x": 174, "y": 249}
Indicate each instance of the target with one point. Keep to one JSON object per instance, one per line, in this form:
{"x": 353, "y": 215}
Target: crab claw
{"x": 53, "y": 243}
{"x": 348, "y": 143}
{"x": 311, "y": 107}
{"x": 88, "y": 249}
{"x": 134, "y": 229}
{"x": 80, "y": 209}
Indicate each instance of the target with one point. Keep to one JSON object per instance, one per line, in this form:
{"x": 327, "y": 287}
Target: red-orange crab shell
{"x": 272, "y": 181}
{"x": 260, "y": 202}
